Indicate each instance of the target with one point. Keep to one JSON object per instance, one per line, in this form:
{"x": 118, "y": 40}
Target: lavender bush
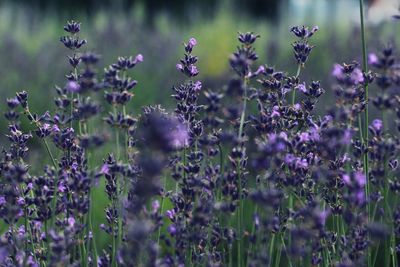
{"x": 249, "y": 175}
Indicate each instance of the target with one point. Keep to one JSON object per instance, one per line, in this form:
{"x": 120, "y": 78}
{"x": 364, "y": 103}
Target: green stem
{"x": 50, "y": 154}
{"x": 366, "y": 122}
{"x": 294, "y": 90}
{"x": 242, "y": 116}
{"x": 271, "y": 247}
{"x": 162, "y": 209}
{"x": 284, "y": 247}
{"x": 239, "y": 211}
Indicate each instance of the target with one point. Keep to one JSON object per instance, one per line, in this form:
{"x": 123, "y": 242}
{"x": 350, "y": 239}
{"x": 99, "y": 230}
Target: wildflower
{"x": 302, "y": 48}
{"x": 373, "y": 59}
{"x": 248, "y": 38}
{"x": 197, "y": 86}
{"x": 72, "y": 27}
{"x": 376, "y": 127}
{"x": 139, "y": 58}
{"x": 72, "y": 86}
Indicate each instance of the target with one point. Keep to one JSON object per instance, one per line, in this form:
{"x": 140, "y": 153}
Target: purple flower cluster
{"x": 246, "y": 175}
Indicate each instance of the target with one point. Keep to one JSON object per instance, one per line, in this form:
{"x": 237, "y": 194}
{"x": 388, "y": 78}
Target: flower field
{"x": 255, "y": 172}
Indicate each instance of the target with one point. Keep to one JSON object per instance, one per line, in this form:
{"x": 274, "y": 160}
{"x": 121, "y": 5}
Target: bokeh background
{"x": 33, "y": 59}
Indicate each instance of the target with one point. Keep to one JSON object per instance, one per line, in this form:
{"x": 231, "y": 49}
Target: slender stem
{"x": 162, "y": 208}
{"x": 239, "y": 211}
{"x": 230, "y": 256}
{"x": 50, "y": 154}
{"x": 285, "y": 249}
{"x": 253, "y": 229}
{"x": 271, "y": 247}
{"x": 242, "y": 116}
{"x": 365, "y": 70}
{"x": 366, "y": 122}
{"x": 294, "y": 90}
{"x": 116, "y": 134}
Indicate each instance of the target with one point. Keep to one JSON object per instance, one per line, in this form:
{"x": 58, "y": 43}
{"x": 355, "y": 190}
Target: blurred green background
{"x": 33, "y": 59}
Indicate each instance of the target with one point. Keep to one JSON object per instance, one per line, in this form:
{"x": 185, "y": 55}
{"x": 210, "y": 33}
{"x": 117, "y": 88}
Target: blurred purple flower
{"x": 359, "y": 177}
{"x": 139, "y": 58}
{"x": 179, "y": 136}
{"x": 71, "y": 222}
{"x": 337, "y": 71}
{"x": 72, "y": 87}
{"x": 171, "y": 229}
{"x": 322, "y": 216}
{"x": 179, "y": 66}
{"x": 373, "y": 58}
{"x": 155, "y": 205}
{"x": 192, "y": 42}
{"x": 346, "y": 179}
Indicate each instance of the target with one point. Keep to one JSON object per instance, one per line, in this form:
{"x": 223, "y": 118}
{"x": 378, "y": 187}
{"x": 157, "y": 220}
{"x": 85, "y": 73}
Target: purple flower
{"x": 373, "y": 58}
{"x": 275, "y": 112}
{"x": 304, "y": 137}
{"x": 170, "y": 213}
{"x": 197, "y": 86}
{"x": 178, "y": 136}
{"x": 193, "y": 70}
{"x": 301, "y": 163}
{"x": 37, "y": 225}
{"x": 2, "y": 200}
{"x": 337, "y": 71}
{"x": 179, "y": 66}
{"x": 192, "y": 42}
{"x": 31, "y": 262}
{"x": 61, "y": 188}
{"x": 155, "y": 205}
{"x": 322, "y": 216}
{"x": 72, "y": 87}
{"x": 71, "y": 222}
{"x": 3, "y": 254}
{"x": 21, "y": 201}
{"x": 360, "y": 196}
{"x": 260, "y": 70}
{"x": 302, "y": 87}
{"x": 248, "y": 38}
{"x": 256, "y": 220}
{"x": 171, "y": 229}
{"x": 359, "y": 177}
{"x": 139, "y": 58}
{"x": 55, "y": 128}
{"x": 314, "y": 134}
{"x": 21, "y": 231}
{"x": 105, "y": 169}
{"x": 377, "y": 124}
{"x": 289, "y": 158}
{"x": 46, "y": 126}
{"x": 348, "y": 134}
{"x": 346, "y": 179}
{"x": 357, "y": 76}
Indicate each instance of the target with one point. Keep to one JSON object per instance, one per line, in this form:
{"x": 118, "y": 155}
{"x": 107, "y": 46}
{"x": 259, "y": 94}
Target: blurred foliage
{"x": 180, "y": 9}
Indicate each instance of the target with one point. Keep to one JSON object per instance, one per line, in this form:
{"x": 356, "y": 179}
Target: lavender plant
{"x": 246, "y": 175}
